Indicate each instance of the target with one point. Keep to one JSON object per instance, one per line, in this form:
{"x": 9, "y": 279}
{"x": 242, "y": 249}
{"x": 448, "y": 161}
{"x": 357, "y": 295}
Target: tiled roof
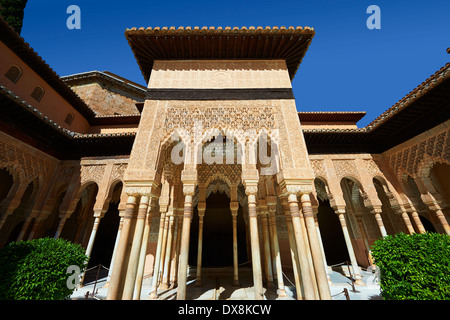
{"x": 331, "y": 116}
{"x": 109, "y": 77}
{"x": 438, "y": 77}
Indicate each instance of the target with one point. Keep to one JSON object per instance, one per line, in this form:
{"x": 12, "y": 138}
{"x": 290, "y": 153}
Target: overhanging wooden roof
{"x": 150, "y": 44}
{"x": 339, "y": 116}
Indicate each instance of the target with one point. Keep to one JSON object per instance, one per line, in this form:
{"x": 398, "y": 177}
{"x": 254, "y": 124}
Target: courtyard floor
{"x": 217, "y": 285}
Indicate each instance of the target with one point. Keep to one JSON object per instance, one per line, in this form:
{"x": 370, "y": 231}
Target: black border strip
{"x": 220, "y": 94}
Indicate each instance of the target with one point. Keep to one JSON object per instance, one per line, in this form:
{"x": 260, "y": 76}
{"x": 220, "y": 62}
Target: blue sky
{"x": 347, "y": 67}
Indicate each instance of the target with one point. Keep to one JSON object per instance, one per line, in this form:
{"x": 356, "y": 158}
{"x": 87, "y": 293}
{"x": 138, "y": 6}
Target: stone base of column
{"x": 281, "y": 293}
{"x": 163, "y": 286}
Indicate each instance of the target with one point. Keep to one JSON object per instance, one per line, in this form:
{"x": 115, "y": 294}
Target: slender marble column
{"x": 24, "y": 228}
{"x": 309, "y": 255}
{"x": 325, "y": 264}
{"x": 293, "y": 251}
{"x": 153, "y": 292}
{"x": 234, "y": 207}
{"x": 163, "y": 246}
{"x": 201, "y": 214}
{"x": 319, "y": 265}
{"x": 120, "y": 262}
{"x": 417, "y": 221}
{"x": 380, "y": 223}
{"x": 91, "y": 240}
{"x": 142, "y": 257}
{"x": 266, "y": 247}
{"x": 441, "y": 217}
{"x": 113, "y": 259}
{"x": 276, "y": 247}
{"x": 177, "y": 250}
{"x": 184, "y": 250}
{"x": 308, "y": 286}
{"x": 130, "y": 279}
{"x": 168, "y": 255}
{"x": 34, "y": 228}
{"x": 359, "y": 218}
{"x": 62, "y": 221}
{"x": 348, "y": 242}
{"x": 93, "y": 234}
{"x": 254, "y": 238}
{"x": 408, "y": 222}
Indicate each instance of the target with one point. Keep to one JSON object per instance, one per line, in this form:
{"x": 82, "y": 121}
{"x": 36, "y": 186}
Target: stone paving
{"x": 217, "y": 285}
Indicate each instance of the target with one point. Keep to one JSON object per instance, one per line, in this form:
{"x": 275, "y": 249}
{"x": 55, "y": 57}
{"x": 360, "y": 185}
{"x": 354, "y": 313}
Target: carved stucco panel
{"x": 318, "y": 167}
{"x": 435, "y": 148}
{"x": 346, "y": 167}
{"x": 28, "y": 167}
{"x": 118, "y": 171}
{"x": 92, "y": 173}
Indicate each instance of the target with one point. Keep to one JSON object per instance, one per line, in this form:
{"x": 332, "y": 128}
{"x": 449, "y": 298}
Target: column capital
{"x": 189, "y": 189}
{"x": 251, "y": 189}
{"x": 201, "y": 206}
{"x": 99, "y": 213}
{"x": 339, "y": 210}
{"x": 141, "y": 189}
{"x": 297, "y": 187}
{"x": 234, "y": 207}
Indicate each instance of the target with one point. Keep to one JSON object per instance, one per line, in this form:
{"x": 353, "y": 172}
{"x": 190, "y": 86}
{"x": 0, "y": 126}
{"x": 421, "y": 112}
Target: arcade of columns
{"x": 155, "y": 189}
{"x": 392, "y": 169}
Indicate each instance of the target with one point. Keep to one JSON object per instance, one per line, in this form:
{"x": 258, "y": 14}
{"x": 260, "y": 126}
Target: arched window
{"x": 38, "y": 93}
{"x": 69, "y": 119}
{"x": 14, "y": 73}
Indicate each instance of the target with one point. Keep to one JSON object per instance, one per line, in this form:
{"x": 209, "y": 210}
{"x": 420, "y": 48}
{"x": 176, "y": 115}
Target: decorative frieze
{"x": 424, "y": 153}
{"x": 92, "y": 173}
{"x": 22, "y": 164}
{"x": 346, "y": 168}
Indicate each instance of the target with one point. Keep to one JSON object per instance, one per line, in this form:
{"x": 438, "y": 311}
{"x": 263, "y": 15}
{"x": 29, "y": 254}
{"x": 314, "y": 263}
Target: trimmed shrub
{"x": 38, "y": 269}
{"x": 414, "y": 267}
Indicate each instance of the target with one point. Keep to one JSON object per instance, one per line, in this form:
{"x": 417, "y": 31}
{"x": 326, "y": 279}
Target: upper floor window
{"x": 69, "y": 119}
{"x": 14, "y": 73}
{"x": 38, "y": 93}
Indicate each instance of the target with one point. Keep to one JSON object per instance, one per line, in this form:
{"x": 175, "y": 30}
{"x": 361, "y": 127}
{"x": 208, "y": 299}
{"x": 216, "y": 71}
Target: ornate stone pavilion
{"x": 212, "y": 165}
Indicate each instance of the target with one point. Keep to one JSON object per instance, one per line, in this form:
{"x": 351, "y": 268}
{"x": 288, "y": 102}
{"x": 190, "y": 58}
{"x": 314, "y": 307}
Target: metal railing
{"x": 94, "y": 291}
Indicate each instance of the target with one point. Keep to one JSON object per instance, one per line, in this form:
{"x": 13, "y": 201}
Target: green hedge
{"x": 414, "y": 267}
{"x": 38, "y": 269}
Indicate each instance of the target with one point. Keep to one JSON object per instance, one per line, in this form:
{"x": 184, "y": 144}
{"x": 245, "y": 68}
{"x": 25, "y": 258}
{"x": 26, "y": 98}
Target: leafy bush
{"x": 414, "y": 267}
{"x": 37, "y": 269}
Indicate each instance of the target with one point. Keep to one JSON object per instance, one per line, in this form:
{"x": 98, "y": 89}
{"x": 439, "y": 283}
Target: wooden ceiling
{"x": 289, "y": 44}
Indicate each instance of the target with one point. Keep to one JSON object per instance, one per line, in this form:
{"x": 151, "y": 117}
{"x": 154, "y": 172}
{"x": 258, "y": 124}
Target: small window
{"x": 69, "y": 119}
{"x": 38, "y": 93}
{"x": 14, "y": 73}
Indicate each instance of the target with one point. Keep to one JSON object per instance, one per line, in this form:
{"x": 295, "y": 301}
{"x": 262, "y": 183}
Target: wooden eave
{"x": 150, "y": 44}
